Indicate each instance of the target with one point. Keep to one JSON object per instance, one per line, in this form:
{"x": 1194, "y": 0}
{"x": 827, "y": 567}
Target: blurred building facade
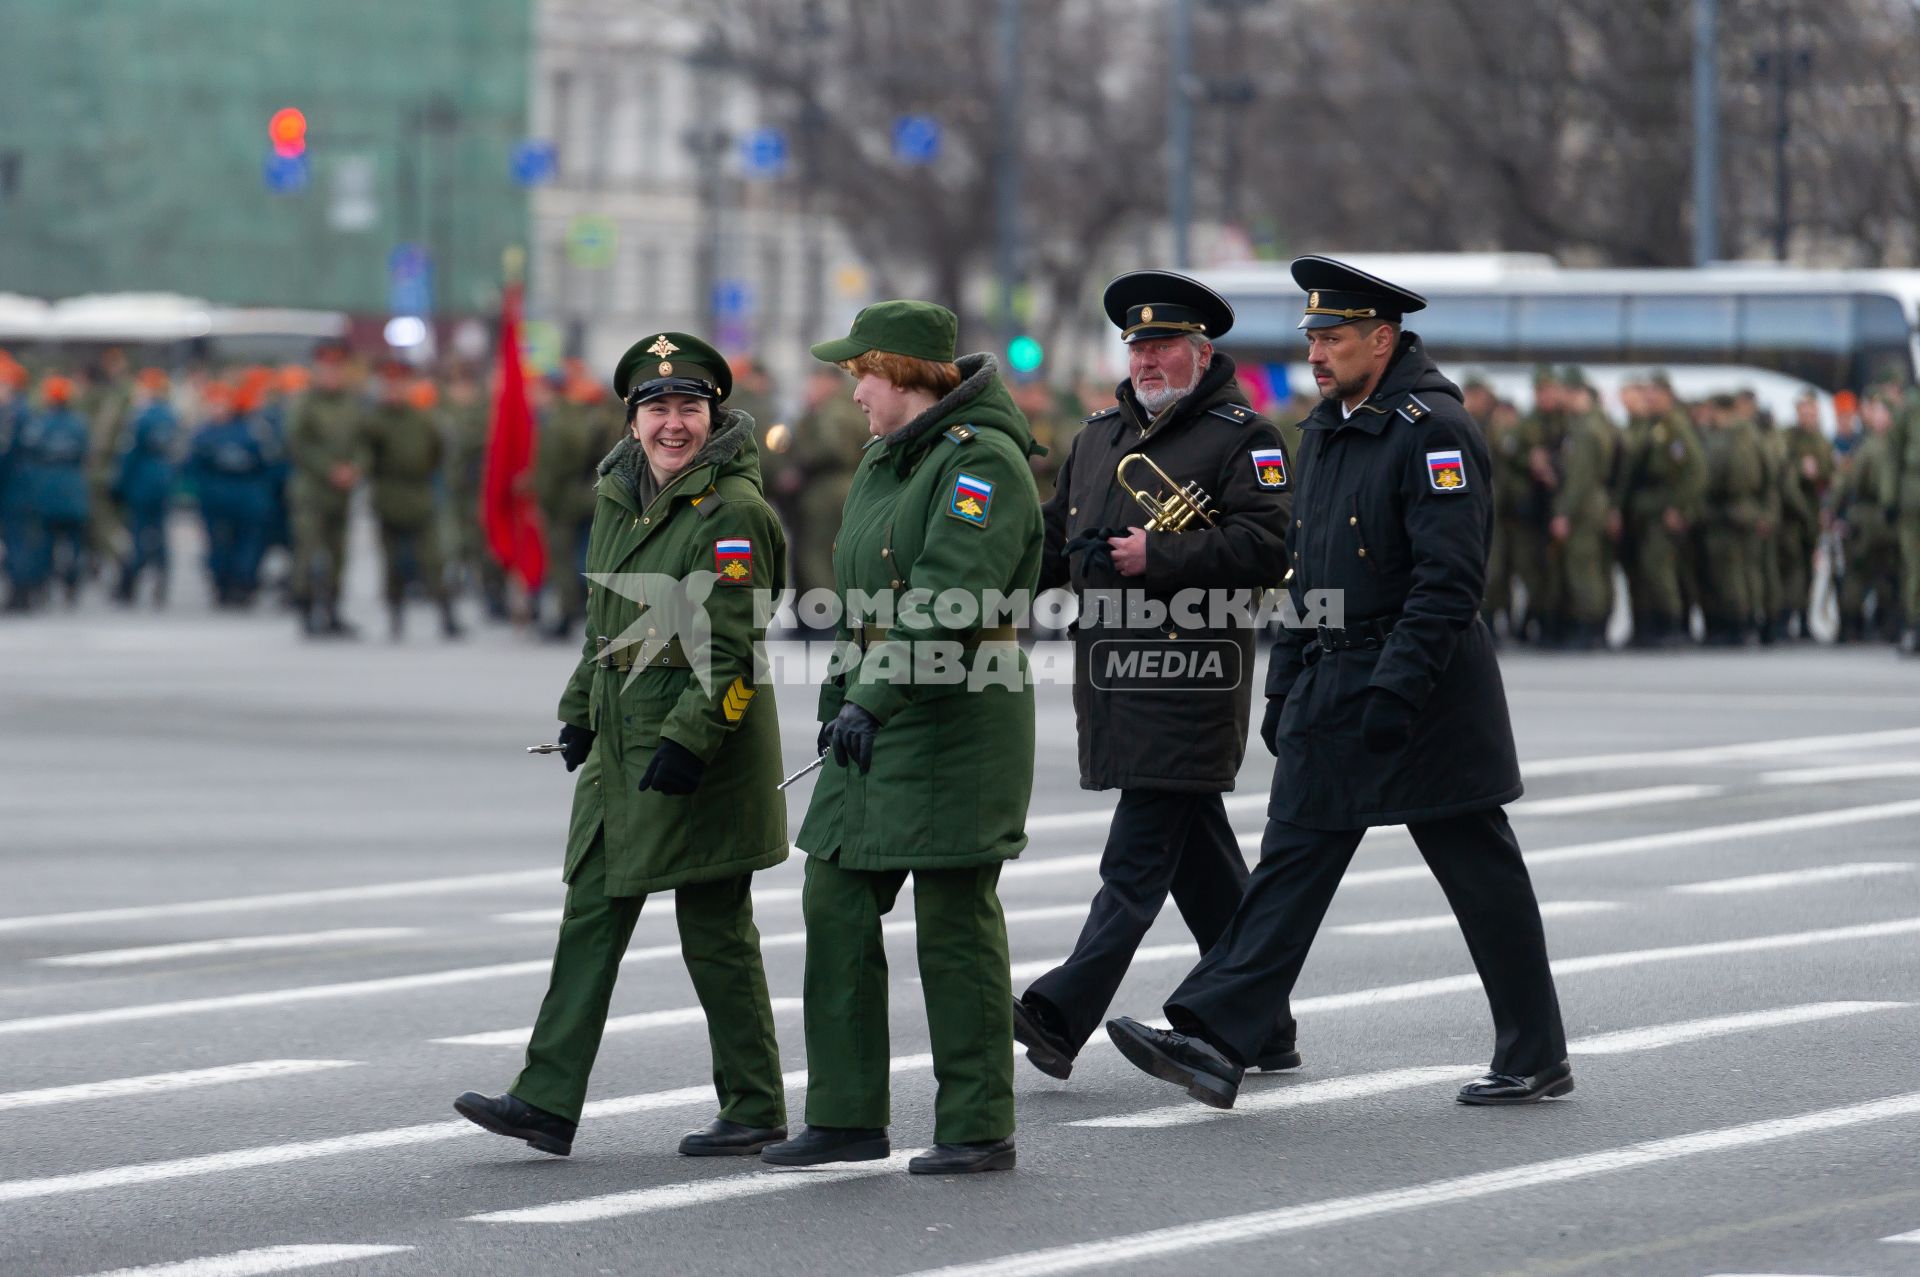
{"x": 668, "y": 208}
{"x": 135, "y": 154}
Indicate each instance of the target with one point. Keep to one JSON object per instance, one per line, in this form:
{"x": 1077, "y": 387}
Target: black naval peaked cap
{"x": 1339, "y": 294}
{"x": 671, "y": 364}
{"x": 1158, "y": 303}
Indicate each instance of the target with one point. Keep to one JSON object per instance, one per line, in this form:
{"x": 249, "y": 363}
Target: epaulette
{"x": 708, "y": 503}
{"x": 1415, "y": 411}
{"x": 1238, "y": 414}
{"x": 1103, "y": 414}
{"x": 961, "y": 434}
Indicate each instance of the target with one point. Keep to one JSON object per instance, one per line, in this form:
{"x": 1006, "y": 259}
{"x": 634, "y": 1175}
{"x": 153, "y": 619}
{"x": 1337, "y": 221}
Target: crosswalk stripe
{"x": 157, "y": 1083}
{"x": 1913, "y": 1237}
{"x": 1746, "y": 751}
{"x": 646, "y": 1201}
{"x": 250, "y": 1263}
{"x": 1144, "y": 954}
{"x": 1300, "y": 1095}
{"x": 1852, "y": 772}
{"x": 1582, "y": 804}
{"x": 231, "y": 944}
{"x": 1446, "y": 921}
{"x": 1659, "y": 1035}
{"x": 1186, "y": 1239}
{"x": 677, "y": 1017}
{"x": 1795, "y": 878}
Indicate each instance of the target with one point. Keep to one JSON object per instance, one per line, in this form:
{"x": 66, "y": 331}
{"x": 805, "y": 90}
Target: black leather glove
{"x": 1270, "y": 724}
{"x": 673, "y": 770}
{"x": 1093, "y": 544}
{"x": 851, "y": 735}
{"x": 575, "y": 744}
{"x": 1386, "y": 721}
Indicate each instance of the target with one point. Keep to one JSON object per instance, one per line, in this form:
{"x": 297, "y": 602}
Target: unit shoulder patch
{"x": 1446, "y": 471}
{"x": 1270, "y": 467}
{"x": 971, "y": 500}
{"x": 962, "y": 434}
{"x": 733, "y": 560}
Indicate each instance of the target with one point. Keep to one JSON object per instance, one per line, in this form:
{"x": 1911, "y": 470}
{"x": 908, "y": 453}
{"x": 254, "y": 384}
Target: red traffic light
{"x": 288, "y": 131}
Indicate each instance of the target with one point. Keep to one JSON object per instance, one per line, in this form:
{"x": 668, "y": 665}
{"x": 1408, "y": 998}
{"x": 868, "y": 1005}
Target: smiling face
{"x": 1163, "y": 369}
{"x": 671, "y": 430}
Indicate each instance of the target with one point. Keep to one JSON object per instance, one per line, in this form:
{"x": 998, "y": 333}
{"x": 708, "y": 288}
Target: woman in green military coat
{"x": 930, "y": 720}
{"x": 671, "y": 722}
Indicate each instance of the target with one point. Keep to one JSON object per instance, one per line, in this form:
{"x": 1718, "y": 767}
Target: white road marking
{"x": 1655, "y": 1036}
{"x": 1829, "y": 775}
{"x": 675, "y": 1018}
{"x": 239, "y": 1159}
{"x": 1795, "y": 878}
{"x": 1299, "y": 1095}
{"x": 647, "y": 1201}
{"x": 1445, "y": 921}
{"x": 1913, "y": 1237}
{"x": 1748, "y": 751}
{"x": 1185, "y": 1239}
{"x": 156, "y": 1083}
{"x": 233, "y": 944}
{"x": 1146, "y": 953}
{"x": 249, "y": 1263}
{"x": 1580, "y": 804}
{"x": 287, "y": 899}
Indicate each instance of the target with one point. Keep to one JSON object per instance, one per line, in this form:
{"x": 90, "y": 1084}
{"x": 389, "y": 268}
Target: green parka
{"x": 735, "y": 822}
{"x": 947, "y": 502}
{"x": 404, "y": 449}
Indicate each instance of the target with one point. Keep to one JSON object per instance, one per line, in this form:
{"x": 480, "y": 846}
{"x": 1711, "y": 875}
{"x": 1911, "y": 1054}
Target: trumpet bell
{"x": 1181, "y": 507}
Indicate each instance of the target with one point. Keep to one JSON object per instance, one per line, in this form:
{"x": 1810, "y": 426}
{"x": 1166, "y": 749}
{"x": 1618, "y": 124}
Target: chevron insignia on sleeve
{"x": 738, "y": 697}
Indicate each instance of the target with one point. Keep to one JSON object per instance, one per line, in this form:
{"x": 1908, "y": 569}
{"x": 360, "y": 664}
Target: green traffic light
{"x": 1024, "y": 354}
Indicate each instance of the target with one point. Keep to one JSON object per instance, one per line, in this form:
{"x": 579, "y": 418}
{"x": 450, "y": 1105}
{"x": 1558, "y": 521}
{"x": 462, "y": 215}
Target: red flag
{"x": 508, "y": 513}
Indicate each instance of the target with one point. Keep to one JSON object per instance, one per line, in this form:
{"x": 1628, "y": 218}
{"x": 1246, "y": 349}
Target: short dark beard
{"x": 1345, "y": 390}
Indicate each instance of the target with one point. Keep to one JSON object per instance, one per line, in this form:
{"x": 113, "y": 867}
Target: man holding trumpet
{"x": 1171, "y": 502}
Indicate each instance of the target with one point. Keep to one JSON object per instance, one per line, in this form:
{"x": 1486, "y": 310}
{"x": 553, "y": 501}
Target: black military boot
{"x": 449, "y": 623}
{"x": 963, "y": 1159}
{"x": 818, "y": 1145}
{"x": 1047, "y": 1048}
{"x": 516, "y": 1119}
{"x": 1506, "y": 1088}
{"x": 721, "y": 1138}
{"x": 1910, "y": 641}
{"x": 1207, "y": 1075}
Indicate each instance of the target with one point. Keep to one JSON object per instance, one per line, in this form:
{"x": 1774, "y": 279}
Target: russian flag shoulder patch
{"x": 1270, "y": 467}
{"x": 971, "y": 499}
{"x": 1446, "y": 472}
{"x": 733, "y": 560}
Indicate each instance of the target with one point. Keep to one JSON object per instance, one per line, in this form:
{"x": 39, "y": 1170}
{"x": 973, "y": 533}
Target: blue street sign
{"x": 732, "y": 298}
{"x": 409, "y": 280}
{"x": 534, "y": 162}
{"x": 916, "y": 139}
{"x": 285, "y": 174}
{"x": 763, "y": 153}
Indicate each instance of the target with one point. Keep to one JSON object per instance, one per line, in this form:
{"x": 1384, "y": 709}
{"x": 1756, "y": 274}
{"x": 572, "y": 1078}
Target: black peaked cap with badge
{"x": 1144, "y": 304}
{"x": 671, "y": 364}
{"x": 1340, "y": 294}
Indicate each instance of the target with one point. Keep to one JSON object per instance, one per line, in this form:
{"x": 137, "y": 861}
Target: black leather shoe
{"x": 516, "y": 1119}
{"x": 1046, "y": 1051}
{"x": 721, "y": 1138}
{"x": 1207, "y": 1075}
{"x": 1277, "y": 1057}
{"x": 817, "y": 1145}
{"x": 1505, "y": 1088}
{"x": 963, "y": 1159}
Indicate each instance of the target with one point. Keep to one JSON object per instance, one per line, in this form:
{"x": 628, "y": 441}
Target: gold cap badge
{"x": 1313, "y": 299}
{"x": 661, "y": 348}
{"x": 666, "y": 369}
{"x": 1146, "y": 314}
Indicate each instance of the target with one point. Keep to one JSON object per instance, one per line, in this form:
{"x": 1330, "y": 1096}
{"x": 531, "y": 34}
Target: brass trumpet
{"x": 1172, "y": 513}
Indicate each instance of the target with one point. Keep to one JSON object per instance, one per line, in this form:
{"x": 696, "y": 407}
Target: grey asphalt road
{"x": 268, "y": 906}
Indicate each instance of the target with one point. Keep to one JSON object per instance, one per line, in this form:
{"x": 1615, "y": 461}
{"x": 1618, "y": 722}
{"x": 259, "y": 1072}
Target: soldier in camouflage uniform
{"x": 1657, "y": 492}
{"x": 1804, "y": 482}
{"x": 1541, "y": 434}
{"x": 1578, "y": 527}
{"x": 324, "y": 441}
{"x": 577, "y": 430}
{"x": 827, "y": 446}
{"x": 1729, "y": 546}
{"x": 404, "y": 451}
{"x": 1864, "y": 517}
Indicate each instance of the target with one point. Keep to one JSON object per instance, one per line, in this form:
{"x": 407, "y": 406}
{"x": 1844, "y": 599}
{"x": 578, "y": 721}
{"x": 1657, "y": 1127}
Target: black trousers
{"x": 1229, "y": 998}
{"x": 1160, "y": 842}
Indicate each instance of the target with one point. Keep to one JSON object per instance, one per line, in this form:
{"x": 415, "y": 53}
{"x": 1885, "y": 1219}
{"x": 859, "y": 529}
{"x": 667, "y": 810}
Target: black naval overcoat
{"x": 1191, "y": 737}
{"x": 1393, "y": 506}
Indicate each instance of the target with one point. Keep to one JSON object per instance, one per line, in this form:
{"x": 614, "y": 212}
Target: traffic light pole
{"x": 1180, "y": 137}
{"x": 1706, "y": 132}
{"x": 1007, "y": 175}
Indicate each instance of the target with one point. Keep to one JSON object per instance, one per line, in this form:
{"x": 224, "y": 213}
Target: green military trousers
{"x": 1909, "y": 540}
{"x": 319, "y": 551}
{"x": 722, "y": 951}
{"x": 411, "y": 552}
{"x": 962, "y": 938}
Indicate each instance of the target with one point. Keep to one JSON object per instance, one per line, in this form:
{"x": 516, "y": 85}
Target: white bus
{"x": 1506, "y": 312}
{"x": 163, "y": 328}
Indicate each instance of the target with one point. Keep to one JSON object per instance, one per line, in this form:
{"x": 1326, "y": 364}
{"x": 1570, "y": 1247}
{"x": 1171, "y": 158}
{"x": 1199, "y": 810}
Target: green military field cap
{"x": 919, "y": 330}
{"x": 671, "y": 364}
{"x": 1340, "y": 294}
{"x": 1144, "y": 304}
{"x": 1545, "y": 375}
{"x": 1574, "y": 377}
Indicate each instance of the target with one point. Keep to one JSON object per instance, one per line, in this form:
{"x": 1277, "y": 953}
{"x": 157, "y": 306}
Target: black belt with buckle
{"x": 669, "y": 655}
{"x": 1362, "y": 636}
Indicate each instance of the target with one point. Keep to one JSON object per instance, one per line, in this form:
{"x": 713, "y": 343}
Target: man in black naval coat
{"x": 1398, "y": 716}
{"x": 1161, "y": 703}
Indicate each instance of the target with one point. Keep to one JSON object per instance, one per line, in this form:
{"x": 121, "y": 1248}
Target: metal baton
{"x": 813, "y": 766}
{"x": 545, "y": 749}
